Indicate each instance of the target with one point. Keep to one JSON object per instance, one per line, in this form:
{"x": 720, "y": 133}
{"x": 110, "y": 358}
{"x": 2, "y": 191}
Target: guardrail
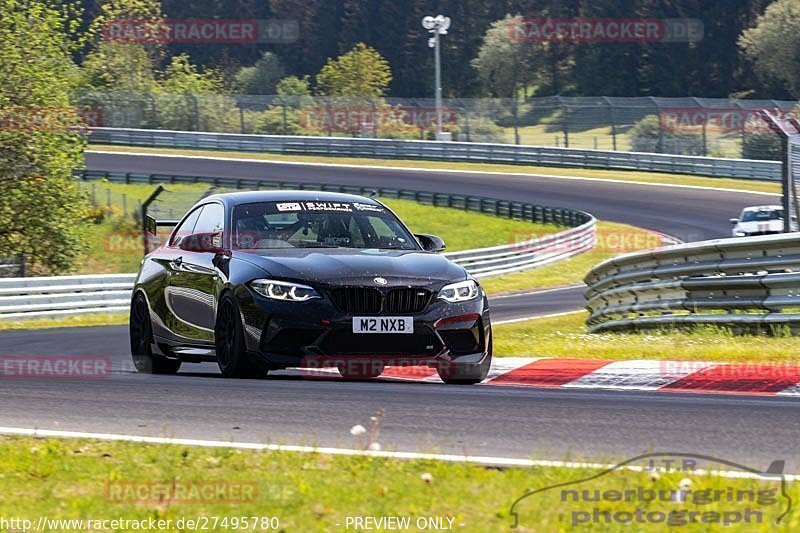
{"x": 62, "y": 295}
{"x": 443, "y": 151}
{"x": 748, "y": 283}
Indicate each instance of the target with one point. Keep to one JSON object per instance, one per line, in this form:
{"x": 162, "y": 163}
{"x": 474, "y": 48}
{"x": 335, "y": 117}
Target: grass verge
{"x": 616, "y": 175}
{"x": 95, "y": 480}
{"x": 110, "y": 319}
{"x": 566, "y": 337}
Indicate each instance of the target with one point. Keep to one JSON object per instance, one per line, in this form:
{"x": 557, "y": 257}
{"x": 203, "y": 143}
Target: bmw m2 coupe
{"x": 260, "y": 281}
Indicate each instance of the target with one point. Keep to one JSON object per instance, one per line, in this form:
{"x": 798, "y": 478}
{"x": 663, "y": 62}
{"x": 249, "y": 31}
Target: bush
{"x": 271, "y": 122}
{"x": 647, "y": 136}
{"x": 762, "y": 145}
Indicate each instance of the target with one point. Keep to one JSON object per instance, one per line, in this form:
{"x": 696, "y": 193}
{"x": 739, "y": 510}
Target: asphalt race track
{"x": 497, "y": 421}
{"x": 286, "y": 409}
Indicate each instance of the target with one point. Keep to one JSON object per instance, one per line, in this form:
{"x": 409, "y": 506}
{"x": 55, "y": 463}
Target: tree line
{"x": 716, "y": 66}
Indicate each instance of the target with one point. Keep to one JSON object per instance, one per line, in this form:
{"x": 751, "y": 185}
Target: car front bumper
{"x": 316, "y": 334}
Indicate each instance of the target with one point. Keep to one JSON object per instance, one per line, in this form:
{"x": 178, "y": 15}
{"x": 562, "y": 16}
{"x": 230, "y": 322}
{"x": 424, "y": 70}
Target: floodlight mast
{"x": 437, "y": 26}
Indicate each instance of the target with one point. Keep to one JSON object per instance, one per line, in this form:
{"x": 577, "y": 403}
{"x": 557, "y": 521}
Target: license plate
{"x": 384, "y": 324}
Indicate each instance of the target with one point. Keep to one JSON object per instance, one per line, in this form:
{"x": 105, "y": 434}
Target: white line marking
{"x": 473, "y": 459}
{"x": 536, "y": 317}
{"x": 434, "y": 170}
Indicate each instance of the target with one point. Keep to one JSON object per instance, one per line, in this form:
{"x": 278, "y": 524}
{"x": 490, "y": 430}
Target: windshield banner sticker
{"x": 328, "y": 206}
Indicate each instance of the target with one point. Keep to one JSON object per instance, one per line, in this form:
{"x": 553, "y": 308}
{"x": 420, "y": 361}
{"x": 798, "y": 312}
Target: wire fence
{"x": 687, "y": 126}
{"x": 108, "y": 202}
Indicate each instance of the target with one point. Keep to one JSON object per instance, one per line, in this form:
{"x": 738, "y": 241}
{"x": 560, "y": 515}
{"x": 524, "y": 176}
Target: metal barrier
{"x": 443, "y": 151}
{"x": 64, "y": 295}
{"x": 748, "y": 283}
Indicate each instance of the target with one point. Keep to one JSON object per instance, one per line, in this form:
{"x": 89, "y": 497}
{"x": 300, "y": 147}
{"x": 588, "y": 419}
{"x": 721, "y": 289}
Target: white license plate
{"x": 383, "y": 324}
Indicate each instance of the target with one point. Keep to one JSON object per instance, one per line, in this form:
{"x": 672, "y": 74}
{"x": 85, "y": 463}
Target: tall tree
{"x": 503, "y": 63}
{"x": 262, "y": 77}
{"x": 360, "y": 72}
{"x": 773, "y": 45}
{"x": 41, "y": 209}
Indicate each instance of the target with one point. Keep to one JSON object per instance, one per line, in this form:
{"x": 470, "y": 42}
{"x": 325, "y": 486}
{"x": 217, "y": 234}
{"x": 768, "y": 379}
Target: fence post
{"x": 515, "y": 111}
{"x": 196, "y": 112}
{"x": 613, "y": 122}
{"x": 564, "y": 124}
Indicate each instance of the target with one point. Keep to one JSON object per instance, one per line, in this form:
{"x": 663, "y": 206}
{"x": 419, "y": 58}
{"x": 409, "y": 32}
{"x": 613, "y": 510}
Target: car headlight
{"x": 282, "y": 290}
{"x": 741, "y": 234}
{"x": 459, "y": 292}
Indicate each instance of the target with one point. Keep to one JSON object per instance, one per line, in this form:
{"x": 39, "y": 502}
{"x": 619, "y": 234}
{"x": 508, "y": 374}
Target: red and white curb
{"x": 773, "y": 379}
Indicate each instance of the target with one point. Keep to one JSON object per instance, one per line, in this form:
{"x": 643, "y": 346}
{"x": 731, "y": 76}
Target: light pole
{"x": 437, "y": 25}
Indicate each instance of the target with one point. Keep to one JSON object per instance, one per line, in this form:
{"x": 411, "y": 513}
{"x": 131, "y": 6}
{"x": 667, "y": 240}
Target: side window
{"x": 186, "y": 228}
{"x": 381, "y": 227}
{"x": 211, "y": 219}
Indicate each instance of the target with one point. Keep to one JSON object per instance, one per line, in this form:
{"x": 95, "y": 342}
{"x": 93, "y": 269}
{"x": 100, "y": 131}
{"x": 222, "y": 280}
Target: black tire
{"x": 466, "y": 374}
{"x": 141, "y": 335}
{"x": 361, "y": 369}
{"x": 232, "y": 357}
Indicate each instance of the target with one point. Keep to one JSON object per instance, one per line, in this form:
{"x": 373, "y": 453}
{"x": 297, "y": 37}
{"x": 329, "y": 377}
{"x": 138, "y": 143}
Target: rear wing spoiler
{"x": 151, "y": 225}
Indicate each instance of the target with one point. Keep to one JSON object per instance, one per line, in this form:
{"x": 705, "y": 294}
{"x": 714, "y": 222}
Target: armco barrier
{"x": 748, "y": 283}
{"x": 53, "y": 296}
{"x": 64, "y": 295}
{"x": 443, "y": 151}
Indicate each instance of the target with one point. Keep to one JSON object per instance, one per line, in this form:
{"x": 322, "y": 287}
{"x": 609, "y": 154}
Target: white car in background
{"x": 758, "y": 220}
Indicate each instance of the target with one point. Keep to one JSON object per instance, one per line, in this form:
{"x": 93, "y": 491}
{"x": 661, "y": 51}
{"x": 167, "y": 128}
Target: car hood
{"x": 355, "y": 266}
{"x": 759, "y": 226}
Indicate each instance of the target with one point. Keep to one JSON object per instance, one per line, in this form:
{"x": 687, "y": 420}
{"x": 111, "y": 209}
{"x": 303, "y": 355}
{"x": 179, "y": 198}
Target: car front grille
{"x": 411, "y": 300}
{"x": 371, "y": 301}
{"x": 358, "y": 300}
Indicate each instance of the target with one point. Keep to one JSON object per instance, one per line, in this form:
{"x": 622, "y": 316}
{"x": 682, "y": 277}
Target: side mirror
{"x": 734, "y": 221}
{"x": 430, "y": 243}
{"x": 202, "y": 242}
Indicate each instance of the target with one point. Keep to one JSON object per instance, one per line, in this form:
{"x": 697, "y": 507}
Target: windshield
{"x": 318, "y": 225}
{"x": 765, "y": 215}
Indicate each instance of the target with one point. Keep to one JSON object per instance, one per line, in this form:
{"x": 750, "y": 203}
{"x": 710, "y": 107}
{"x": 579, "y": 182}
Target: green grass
{"x": 113, "y": 248}
{"x": 83, "y": 479}
{"x": 465, "y": 230}
{"x": 612, "y": 239}
{"x": 566, "y": 336}
{"x": 110, "y": 319}
{"x": 616, "y": 175}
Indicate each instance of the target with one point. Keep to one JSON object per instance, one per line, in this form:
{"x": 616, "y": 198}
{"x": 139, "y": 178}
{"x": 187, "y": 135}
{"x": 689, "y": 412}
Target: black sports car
{"x": 271, "y": 280}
